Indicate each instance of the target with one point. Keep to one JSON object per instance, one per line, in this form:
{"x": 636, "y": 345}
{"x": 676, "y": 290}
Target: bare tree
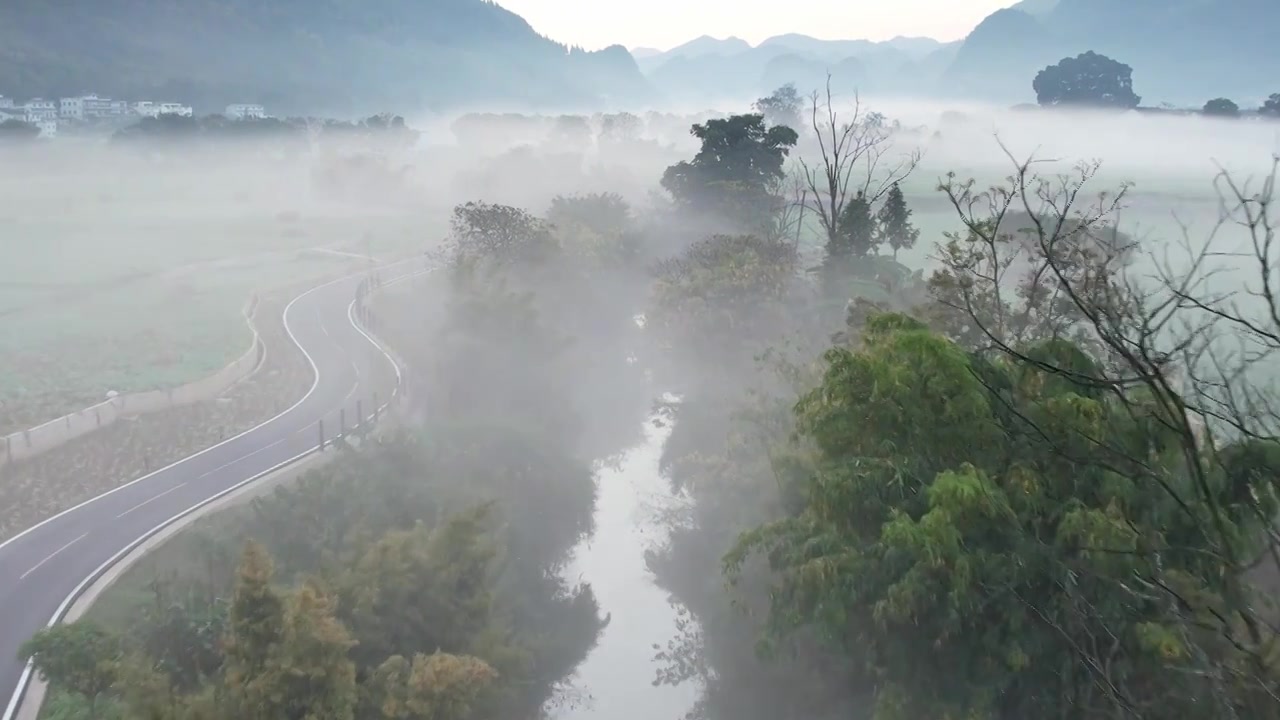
{"x": 788, "y": 222}
{"x": 854, "y": 149}
{"x": 1179, "y": 349}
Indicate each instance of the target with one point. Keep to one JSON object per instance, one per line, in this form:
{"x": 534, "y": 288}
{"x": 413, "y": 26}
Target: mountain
{"x": 303, "y": 56}
{"x": 707, "y": 68}
{"x": 1181, "y": 51}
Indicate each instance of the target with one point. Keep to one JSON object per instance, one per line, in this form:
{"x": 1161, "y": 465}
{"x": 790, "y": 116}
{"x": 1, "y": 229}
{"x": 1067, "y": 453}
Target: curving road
{"x": 49, "y": 565}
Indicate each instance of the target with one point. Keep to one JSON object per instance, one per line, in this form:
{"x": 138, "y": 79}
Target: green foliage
{"x": 963, "y": 536}
{"x": 781, "y": 107}
{"x": 893, "y": 222}
{"x": 431, "y": 687}
{"x": 1221, "y": 107}
{"x": 500, "y": 234}
{"x": 597, "y": 228}
{"x": 1087, "y": 80}
{"x": 724, "y": 297}
{"x": 736, "y": 171}
{"x": 80, "y": 657}
{"x": 1271, "y": 108}
{"x": 856, "y": 236}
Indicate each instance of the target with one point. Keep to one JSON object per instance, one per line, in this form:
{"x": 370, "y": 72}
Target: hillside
{"x": 296, "y": 56}
{"x": 1182, "y": 51}
{"x": 708, "y": 68}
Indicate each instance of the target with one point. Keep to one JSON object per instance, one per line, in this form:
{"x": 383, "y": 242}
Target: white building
{"x": 6, "y": 102}
{"x": 48, "y": 128}
{"x": 71, "y": 108}
{"x": 175, "y": 109}
{"x": 147, "y": 108}
{"x": 246, "y": 112}
{"x": 91, "y": 106}
{"x": 40, "y": 109}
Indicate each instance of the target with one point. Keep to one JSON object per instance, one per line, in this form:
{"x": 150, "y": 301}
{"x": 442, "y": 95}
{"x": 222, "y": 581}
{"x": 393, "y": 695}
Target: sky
{"x": 664, "y": 24}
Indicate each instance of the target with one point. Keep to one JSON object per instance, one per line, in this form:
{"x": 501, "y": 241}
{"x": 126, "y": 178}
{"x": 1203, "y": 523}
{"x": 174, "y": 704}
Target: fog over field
{"x": 670, "y": 439}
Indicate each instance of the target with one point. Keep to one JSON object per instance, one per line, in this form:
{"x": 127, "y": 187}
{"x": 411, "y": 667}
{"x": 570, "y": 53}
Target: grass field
{"x": 133, "y": 278}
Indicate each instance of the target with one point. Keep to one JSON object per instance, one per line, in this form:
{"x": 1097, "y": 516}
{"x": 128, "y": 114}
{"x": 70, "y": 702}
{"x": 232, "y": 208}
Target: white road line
{"x": 15, "y": 700}
{"x": 225, "y": 465}
{"x": 51, "y": 556}
{"x": 144, "y": 502}
{"x": 314, "y": 384}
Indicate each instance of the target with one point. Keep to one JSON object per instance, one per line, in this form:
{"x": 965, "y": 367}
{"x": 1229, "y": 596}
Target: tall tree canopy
{"x": 1087, "y": 80}
{"x": 737, "y": 170}
{"x": 781, "y": 107}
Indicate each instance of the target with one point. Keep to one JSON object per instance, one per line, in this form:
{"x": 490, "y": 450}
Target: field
{"x": 126, "y": 275}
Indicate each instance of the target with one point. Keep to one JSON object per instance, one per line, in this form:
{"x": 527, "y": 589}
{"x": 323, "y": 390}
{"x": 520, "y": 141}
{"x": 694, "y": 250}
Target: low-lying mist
{"x": 920, "y": 447}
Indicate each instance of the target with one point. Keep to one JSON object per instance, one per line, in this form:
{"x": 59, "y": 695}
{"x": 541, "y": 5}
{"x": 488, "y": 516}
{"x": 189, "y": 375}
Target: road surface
{"x": 42, "y": 569}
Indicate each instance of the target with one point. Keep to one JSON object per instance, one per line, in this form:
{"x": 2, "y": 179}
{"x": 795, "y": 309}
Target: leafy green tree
{"x": 311, "y": 676}
{"x": 255, "y": 631}
{"x": 893, "y": 222}
{"x": 1221, "y": 107}
{"x": 736, "y": 173}
{"x": 781, "y": 107}
{"x": 597, "y": 227}
{"x": 422, "y": 589}
{"x": 857, "y": 236}
{"x": 723, "y": 300}
{"x": 1271, "y": 107}
{"x": 80, "y": 657}
{"x": 961, "y": 536}
{"x": 1087, "y": 80}
{"x": 500, "y": 234}
{"x": 431, "y": 687}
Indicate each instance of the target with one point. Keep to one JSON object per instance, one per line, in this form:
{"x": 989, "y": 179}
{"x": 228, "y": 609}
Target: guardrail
{"x": 361, "y": 318}
{"x": 49, "y": 435}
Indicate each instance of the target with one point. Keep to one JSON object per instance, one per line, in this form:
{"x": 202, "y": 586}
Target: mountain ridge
{"x": 323, "y": 56}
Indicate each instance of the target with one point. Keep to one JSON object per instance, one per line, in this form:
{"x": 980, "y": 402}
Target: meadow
{"x": 125, "y": 273}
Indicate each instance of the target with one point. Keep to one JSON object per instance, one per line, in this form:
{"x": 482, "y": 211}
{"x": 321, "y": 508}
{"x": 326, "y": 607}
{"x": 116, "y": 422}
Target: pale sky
{"x": 664, "y": 24}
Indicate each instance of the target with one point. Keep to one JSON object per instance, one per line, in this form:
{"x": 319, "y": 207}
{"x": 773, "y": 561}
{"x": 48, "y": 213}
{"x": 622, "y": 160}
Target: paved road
{"x": 42, "y": 568}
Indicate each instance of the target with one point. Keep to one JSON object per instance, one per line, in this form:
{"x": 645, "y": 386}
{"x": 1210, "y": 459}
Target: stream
{"x": 616, "y": 678}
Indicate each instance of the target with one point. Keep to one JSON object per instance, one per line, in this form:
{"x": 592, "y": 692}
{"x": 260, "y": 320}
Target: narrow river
{"x": 616, "y": 679}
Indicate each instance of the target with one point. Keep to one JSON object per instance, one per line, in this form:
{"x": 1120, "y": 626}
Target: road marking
{"x": 225, "y": 465}
{"x": 51, "y": 556}
{"x": 28, "y": 671}
{"x": 144, "y": 502}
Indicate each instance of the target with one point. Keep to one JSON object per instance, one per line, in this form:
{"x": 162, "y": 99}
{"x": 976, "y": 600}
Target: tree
{"x": 500, "y": 234}
{"x": 311, "y": 676}
{"x": 962, "y": 536}
{"x": 1174, "y": 354}
{"x": 1221, "y": 107}
{"x": 894, "y": 222}
{"x": 857, "y": 236}
{"x": 620, "y": 127}
{"x": 1271, "y": 107}
{"x": 1087, "y": 80}
{"x": 782, "y": 107}
{"x": 736, "y": 171}
{"x": 431, "y": 687}
{"x": 597, "y": 226}
{"x": 256, "y": 628}
{"x": 858, "y": 147}
{"x": 18, "y": 130}
{"x": 80, "y": 657}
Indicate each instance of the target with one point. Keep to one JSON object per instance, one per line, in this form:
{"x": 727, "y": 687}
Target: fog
{"x": 124, "y": 266}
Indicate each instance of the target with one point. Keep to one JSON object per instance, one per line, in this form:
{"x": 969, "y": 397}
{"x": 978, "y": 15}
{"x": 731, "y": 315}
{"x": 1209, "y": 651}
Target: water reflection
{"x": 617, "y": 677}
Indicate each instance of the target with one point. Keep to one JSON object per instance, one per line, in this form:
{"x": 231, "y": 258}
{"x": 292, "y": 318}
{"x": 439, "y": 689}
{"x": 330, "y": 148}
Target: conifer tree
{"x": 894, "y": 222}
